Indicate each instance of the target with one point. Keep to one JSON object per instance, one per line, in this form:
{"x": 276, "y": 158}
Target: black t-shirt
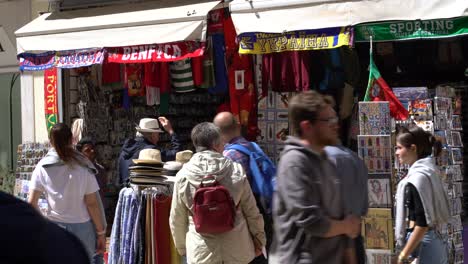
{"x": 27, "y": 237}
{"x": 415, "y": 207}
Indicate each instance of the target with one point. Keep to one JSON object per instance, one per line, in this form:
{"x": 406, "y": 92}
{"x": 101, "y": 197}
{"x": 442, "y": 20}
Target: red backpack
{"x": 214, "y": 209}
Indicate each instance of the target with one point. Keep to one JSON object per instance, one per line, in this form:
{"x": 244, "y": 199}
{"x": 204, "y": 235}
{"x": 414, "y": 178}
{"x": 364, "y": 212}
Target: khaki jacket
{"x": 235, "y": 246}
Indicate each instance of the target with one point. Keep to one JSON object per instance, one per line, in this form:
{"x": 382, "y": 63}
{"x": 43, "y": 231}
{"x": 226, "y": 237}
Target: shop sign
{"x": 317, "y": 39}
{"x": 37, "y": 62}
{"x": 156, "y": 52}
{"x": 79, "y": 58}
{"x": 415, "y": 29}
{"x": 50, "y": 97}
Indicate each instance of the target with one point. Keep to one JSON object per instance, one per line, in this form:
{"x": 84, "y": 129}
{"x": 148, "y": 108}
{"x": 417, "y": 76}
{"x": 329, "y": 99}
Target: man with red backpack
{"x": 259, "y": 168}
{"x": 214, "y": 217}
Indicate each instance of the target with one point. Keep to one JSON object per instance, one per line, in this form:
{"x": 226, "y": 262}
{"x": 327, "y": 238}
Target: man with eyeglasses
{"x": 311, "y": 225}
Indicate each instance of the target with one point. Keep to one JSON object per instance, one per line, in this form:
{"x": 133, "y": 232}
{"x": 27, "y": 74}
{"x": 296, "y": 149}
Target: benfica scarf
{"x": 378, "y": 90}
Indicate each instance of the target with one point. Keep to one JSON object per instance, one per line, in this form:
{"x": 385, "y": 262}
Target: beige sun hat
{"x": 148, "y": 125}
{"x": 150, "y": 156}
{"x": 184, "y": 156}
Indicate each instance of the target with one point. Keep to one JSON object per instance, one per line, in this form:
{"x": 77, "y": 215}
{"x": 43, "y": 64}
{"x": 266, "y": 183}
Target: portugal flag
{"x": 378, "y": 90}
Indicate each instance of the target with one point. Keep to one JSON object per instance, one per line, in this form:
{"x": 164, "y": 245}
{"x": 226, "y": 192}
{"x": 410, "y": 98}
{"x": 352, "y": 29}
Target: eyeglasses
{"x": 330, "y": 121}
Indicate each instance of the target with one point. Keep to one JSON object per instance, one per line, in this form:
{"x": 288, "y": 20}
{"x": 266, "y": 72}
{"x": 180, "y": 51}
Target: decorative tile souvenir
{"x": 374, "y": 118}
{"x": 376, "y": 151}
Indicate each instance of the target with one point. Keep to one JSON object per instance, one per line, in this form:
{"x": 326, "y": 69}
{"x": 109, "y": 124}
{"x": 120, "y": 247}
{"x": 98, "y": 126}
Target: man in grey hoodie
{"x": 309, "y": 216}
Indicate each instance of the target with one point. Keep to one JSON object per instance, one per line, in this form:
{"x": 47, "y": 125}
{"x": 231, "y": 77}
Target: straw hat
{"x": 149, "y": 156}
{"x": 149, "y": 125}
{"x": 184, "y": 156}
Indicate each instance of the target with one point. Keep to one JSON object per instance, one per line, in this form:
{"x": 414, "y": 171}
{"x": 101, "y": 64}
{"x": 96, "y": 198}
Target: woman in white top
{"x": 67, "y": 178}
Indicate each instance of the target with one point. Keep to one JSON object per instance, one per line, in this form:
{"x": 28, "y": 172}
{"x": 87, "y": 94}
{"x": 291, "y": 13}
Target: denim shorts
{"x": 432, "y": 249}
{"x": 86, "y": 233}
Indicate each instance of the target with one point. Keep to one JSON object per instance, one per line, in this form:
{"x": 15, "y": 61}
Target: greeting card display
{"x": 440, "y": 122}
{"x": 421, "y": 109}
{"x": 377, "y": 229}
{"x": 457, "y": 156}
{"x": 379, "y": 192}
{"x": 374, "y": 118}
{"x": 426, "y": 125}
{"x": 443, "y": 105}
{"x": 376, "y": 151}
{"x": 456, "y": 123}
{"x": 411, "y": 93}
{"x": 456, "y": 139}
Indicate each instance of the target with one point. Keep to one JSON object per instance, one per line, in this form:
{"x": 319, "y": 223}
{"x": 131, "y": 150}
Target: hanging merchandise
{"x": 156, "y": 52}
{"x": 216, "y": 21}
{"x": 333, "y": 82}
{"x": 134, "y": 79}
{"x": 50, "y": 97}
{"x": 240, "y": 76}
{"x": 416, "y": 29}
{"x": 152, "y": 83}
{"x": 316, "y": 39}
{"x": 378, "y": 90}
{"x": 79, "y": 58}
{"x": 221, "y": 77}
{"x": 208, "y": 65}
{"x": 110, "y": 73}
{"x": 36, "y": 62}
{"x": 182, "y": 76}
{"x": 286, "y": 72}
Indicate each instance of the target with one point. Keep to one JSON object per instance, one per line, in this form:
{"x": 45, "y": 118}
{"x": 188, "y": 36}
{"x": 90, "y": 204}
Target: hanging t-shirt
{"x": 197, "y": 70}
{"x": 152, "y": 82}
{"x": 221, "y": 86}
{"x": 208, "y": 65}
{"x": 110, "y": 73}
{"x": 181, "y": 76}
{"x": 215, "y": 20}
{"x": 134, "y": 79}
{"x": 286, "y": 71}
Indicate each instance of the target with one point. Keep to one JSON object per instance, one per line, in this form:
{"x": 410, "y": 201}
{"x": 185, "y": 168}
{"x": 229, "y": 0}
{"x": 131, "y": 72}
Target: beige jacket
{"x": 235, "y": 246}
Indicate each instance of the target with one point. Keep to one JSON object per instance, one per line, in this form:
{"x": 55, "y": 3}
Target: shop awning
{"x": 278, "y": 16}
{"x": 116, "y": 26}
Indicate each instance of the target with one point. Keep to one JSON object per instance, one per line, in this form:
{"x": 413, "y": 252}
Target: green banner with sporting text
{"x": 415, "y": 29}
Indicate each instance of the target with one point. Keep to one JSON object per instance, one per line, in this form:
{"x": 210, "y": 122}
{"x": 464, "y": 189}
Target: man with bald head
{"x": 230, "y": 129}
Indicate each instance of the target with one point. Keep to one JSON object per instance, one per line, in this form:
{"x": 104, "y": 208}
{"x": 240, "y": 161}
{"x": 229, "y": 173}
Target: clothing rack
{"x": 141, "y": 233}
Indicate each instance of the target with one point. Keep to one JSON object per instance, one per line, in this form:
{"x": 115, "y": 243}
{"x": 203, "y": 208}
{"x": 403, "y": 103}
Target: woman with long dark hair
{"x": 67, "y": 178}
{"x": 421, "y": 201}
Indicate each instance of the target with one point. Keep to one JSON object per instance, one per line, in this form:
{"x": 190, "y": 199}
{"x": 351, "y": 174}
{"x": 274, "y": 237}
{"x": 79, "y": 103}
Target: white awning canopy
{"x": 115, "y": 26}
{"x": 277, "y": 16}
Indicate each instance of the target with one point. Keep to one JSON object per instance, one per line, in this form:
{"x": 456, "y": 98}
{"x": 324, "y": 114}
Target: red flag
{"x": 378, "y": 90}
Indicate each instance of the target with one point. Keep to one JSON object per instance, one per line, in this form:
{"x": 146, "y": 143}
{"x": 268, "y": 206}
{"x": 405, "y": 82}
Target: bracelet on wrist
{"x": 101, "y": 233}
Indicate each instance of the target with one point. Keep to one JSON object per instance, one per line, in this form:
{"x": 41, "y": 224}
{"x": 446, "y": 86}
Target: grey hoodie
{"x": 235, "y": 246}
{"x": 307, "y": 198}
{"x": 425, "y": 176}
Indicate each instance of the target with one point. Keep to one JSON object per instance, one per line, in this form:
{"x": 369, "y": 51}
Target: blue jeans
{"x": 432, "y": 249}
{"x": 86, "y": 234}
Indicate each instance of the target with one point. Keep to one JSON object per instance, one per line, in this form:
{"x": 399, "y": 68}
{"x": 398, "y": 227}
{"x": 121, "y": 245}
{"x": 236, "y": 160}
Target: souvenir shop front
{"x": 106, "y": 68}
{"x": 419, "y": 55}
